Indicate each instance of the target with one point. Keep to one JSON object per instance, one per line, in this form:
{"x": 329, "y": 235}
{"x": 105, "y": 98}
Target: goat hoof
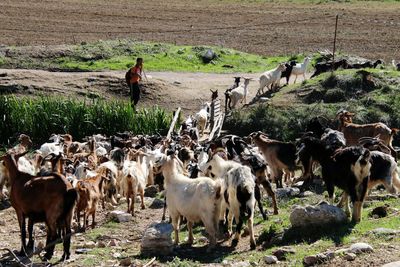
{"x": 252, "y": 246}
{"x": 276, "y": 212}
{"x": 234, "y": 243}
{"x": 65, "y": 257}
{"x": 47, "y": 256}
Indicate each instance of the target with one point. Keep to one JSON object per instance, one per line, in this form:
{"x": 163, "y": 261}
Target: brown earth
{"x": 368, "y": 29}
{"x": 169, "y": 90}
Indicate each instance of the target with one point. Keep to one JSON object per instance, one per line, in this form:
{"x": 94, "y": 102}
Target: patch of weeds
{"x": 177, "y": 262}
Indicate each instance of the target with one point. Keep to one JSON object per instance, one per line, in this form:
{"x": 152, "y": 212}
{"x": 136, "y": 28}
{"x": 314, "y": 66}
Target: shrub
{"x": 334, "y": 96}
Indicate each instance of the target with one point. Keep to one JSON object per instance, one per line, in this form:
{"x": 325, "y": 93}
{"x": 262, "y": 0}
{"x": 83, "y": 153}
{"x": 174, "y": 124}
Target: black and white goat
{"x": 348, "y": 168}
{"x": 239, "y": 194}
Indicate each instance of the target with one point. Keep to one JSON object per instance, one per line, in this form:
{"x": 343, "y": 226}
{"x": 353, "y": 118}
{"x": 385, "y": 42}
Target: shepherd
{"x": 133, "y": 77}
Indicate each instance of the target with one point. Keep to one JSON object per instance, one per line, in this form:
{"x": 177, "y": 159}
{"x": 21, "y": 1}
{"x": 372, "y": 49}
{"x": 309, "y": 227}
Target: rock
{"x": 310, "y": 260}
{"x": 228, "y": 66}
{"x": 112, "y": 243}
{"x": 82, "y": 250}
{"x": 100, "y": 244}
{"x": 321, "y": 257}
{"x": 120, "y": 216}
{"x": 319, "y": 215}
{"x": 2, "y": 223}
{"x": 270, "y": 259}
{"x": 157, "y": 239}
{"x": 125, "y": 262}
{"x": 287, "y": 192}
{"x": 282, "y": 252}
{"x": 330, "y": 255}
{"x": 151, "y": 191}
{"x": 117, "y": 255}
{"x": 358, "y": 248}
{"x": 208, "y": 56}
{"x": 379, "y": 212}
{"x": 306, "y": 194}
{"x": 385, "y": 231}
{"x": 157, "y": 204}
{"x": 89, "y": 244}
{"x": 202, "y": 240}
{"x": 392, "y": 264}
{"x": 350, "y": 256}
{"x": 341, "y": 251}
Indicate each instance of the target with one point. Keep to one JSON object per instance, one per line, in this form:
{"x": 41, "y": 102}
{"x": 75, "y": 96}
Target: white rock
{"x": 392, "y": 264}
{"x": 120, "y": 216}
{"x": 270, "y": 259}
{"x": 117, "y": 255}
{"x": 317, "y": 215}
{"x": 350, "y": 256}
{"x": 157, "y": 239}
{"x": 358, "y": 248}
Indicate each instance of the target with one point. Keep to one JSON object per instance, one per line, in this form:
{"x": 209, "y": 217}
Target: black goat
{"x": 367, "y": 64}
{"x": 329, "y": 66}
{"x": 286, "y": 73}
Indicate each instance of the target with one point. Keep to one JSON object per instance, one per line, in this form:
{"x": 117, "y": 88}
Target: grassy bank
{"x": 121, "y": 54}
{"x": 289, "y": 110}
{"x": 41, "y": 117}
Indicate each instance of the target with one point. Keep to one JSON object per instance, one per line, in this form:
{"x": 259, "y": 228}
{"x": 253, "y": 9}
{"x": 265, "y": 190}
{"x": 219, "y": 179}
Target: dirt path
{"x": 166, "y": 89}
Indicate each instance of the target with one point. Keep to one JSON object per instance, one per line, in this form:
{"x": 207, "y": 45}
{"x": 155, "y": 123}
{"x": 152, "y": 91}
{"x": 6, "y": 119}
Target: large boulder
{"x": 322, "y": 214}
{"x": 157, "y": 239}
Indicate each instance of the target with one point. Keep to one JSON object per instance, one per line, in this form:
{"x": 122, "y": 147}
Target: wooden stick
{"x": 171, "y": 128}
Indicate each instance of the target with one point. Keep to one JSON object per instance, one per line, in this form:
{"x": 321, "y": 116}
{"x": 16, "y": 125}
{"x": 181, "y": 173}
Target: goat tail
{"x": 70, "y": 198}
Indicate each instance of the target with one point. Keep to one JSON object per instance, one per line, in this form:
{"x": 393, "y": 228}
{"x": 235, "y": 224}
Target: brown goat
{"x": 50, "y": 199}
{"x": 90, "y": 193}
{"x": 353, "y": 132}
{"x": 280, "y": 156}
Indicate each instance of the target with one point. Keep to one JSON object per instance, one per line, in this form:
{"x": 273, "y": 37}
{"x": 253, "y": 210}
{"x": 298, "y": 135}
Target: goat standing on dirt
{"x": 50, "y": 199}
{"x": 301, "y": 68}
{"x": 271, "y": 78}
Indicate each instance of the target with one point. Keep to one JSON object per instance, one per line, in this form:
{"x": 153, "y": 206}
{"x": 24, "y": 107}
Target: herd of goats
{"x": 208, "y": 182}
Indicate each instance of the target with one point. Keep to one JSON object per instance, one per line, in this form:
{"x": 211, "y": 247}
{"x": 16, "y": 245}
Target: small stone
{"x": 157, "y": 204}
{"x": 330, "y": 255}
{"x": 151, "y": 191}
{"x": 2, "y": 223}
{"x": 112, "y": 243}
{"x": 270, "y": 259}
{"x": 89, "y": 244}
{"x": 287, "y": 192}
{"x": 117, "y": 255}
{"x": 125, "y": 262}
{"x": 321, "y": 257}
{"x": 350, "y": 256}
{"x": 120, "y": 216}
{"x": 310, "y": 260}
{"x": 282, "y": 252}
{"x": 358, "y": 248}
{"x": 100, "y": 244}
{"x": 306, "y": 194}
{"x": 82, "y": 250}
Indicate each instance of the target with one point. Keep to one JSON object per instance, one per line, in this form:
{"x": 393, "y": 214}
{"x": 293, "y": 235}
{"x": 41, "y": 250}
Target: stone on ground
{"x": 120, "y": 216}
{"x": 157, "y": 239}
{"x": 358, "y": 248}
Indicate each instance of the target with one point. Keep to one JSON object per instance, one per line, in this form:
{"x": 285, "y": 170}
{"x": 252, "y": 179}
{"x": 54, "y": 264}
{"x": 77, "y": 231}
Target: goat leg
{"x": 251, "y": 232}
{"x": 22, "y": 226}
{"x": 239, "y": 226}
{"x": 30, "y": 235}
{"x": 190, "y": 231}
{"x": 67, "y": 243}
{"x": 268, "y": 187}
{"x": 258, "y": 198}
{"x": 164, "y": 209}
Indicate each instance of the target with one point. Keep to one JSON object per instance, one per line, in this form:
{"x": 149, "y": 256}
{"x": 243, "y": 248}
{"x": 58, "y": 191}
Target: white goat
{"x": 301, "y": 68}
{"x": 239, "y": 193}
{"x": 195, "y": 199}
{"x": 271, "y": 78}
{"x": 202, "y": 118}
{"x": 132, "y": 182}
{"x": 239, "y": 93}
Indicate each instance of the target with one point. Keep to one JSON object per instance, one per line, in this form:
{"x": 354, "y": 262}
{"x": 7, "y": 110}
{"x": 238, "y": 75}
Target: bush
{"x": 334, "y": 96}
{"x": 41, "y": 117}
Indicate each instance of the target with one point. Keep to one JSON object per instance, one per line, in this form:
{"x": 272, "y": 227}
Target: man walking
{"x": 135, "y": 75}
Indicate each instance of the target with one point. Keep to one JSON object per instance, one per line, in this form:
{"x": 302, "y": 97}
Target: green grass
{"x": 40, "y": 117}
{"x": 121, "y": 54}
